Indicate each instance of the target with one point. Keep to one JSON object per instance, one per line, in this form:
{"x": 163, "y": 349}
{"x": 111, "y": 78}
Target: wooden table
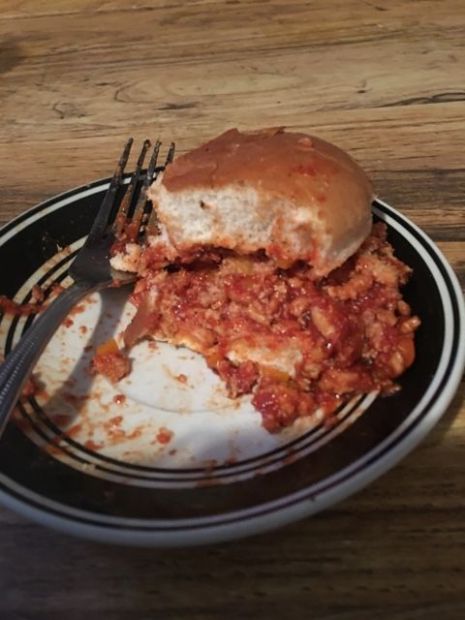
{"x": 386, "y": 81}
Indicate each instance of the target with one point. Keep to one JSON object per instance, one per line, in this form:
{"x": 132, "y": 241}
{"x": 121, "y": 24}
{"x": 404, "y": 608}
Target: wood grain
{"x": 385, "y": 80}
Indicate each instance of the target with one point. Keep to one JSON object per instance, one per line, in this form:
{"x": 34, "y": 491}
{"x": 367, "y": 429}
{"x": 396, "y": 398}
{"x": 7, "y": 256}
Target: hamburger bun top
{"x": 291, "y": 195}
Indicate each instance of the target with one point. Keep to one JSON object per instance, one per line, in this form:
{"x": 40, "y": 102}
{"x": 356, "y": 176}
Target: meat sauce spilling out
{"x": 350, "y": 332}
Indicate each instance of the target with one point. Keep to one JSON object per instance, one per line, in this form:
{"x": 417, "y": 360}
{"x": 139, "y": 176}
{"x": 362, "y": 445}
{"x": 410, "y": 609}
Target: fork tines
{"x": 135, "y": 210}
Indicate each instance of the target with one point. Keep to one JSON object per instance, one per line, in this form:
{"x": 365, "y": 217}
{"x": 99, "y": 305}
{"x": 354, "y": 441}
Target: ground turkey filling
{"x": 322, "y": 341}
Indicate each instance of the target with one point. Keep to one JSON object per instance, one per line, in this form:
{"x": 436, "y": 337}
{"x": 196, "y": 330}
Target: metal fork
{"x": 91, "y": 270}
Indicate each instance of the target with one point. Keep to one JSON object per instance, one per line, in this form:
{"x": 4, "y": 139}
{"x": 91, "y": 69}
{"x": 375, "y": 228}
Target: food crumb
{"x": 61, "y": 419}
{"x": 31, "y": 387}
{"x": 115, "y": 421}
{"x": 74, "y": 399}
{"x": 83, "y": 329}
{"x": 114, "y": 431}
{"x": 90, "y": 444}
{"x": 37, "y": 294}
{"x": 74, "y": 430}
{"x": 181, "y": 378}
{"x": 164, "y": 435}
{"x": 79, "y": 308}
{"x": 55, "y": 290}
{"x": 110, "y": 362}
{"x": 137, "y": 432}
{"x": 68, "y": 322}
{"x": 119, "y": 399}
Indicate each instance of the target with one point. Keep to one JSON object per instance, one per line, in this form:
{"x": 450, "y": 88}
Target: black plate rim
{"x": 359, "y": 474}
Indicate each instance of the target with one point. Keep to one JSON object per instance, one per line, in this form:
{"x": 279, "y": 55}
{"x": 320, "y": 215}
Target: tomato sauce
{"x": 350, "y": 332}
{"x": 111, "y": 362}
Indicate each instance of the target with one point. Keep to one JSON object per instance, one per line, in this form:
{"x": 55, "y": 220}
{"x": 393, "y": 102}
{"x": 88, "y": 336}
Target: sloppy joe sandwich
{"x": 266, "y": 261}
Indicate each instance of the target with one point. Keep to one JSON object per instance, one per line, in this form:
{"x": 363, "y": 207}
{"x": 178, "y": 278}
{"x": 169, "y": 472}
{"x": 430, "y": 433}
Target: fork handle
{"x": 21, "y": 360}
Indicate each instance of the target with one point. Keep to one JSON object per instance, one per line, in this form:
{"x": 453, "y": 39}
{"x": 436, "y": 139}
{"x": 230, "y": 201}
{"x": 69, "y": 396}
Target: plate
{"x": 165, "y": 458}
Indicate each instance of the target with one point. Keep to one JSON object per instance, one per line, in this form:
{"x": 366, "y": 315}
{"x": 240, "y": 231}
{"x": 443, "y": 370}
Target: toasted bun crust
{"x": 294, "y": 196}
